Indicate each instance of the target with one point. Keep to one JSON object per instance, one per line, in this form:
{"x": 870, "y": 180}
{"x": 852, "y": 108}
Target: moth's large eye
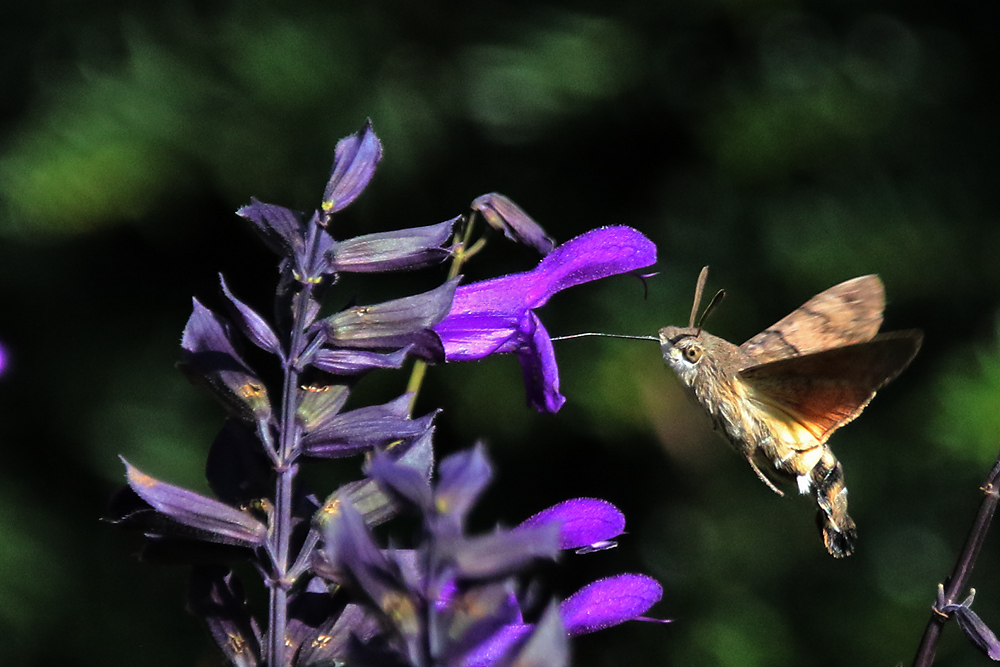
{"x": 692, "y": 354}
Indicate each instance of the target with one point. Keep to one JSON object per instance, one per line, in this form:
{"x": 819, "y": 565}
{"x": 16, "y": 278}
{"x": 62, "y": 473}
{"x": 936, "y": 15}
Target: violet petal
{"x": 539, "y": 369}
{"x": 354, "y": 162}
{"x": 251, "y": 324}
{"x": 461, "y": 479}
{"x": 582, "y": 521}
{"x": 608, "y": 602}
{"x": 548, "y": 645}
{"x": 210, "y": 357}
{"x": 502, "y": 643}
{"x": 226, "y": 524}
{"x": 352, "y": 432}
{"x": 401, "y": 250}
{"x": 502, "y": 553}
{"x": 975, "y": 629}
{"x": 391, "y": 323}
{"x": 329, "y": 642}
{"x": 403, "y": 481}
{"x": 503, "y": 214}
{"x": 281, "y": 229}
{"x": 318, "y": 404}
{"x": 355, "y": 362}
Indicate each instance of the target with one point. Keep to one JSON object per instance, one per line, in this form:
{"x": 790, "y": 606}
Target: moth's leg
{"x": 763, "y": 477}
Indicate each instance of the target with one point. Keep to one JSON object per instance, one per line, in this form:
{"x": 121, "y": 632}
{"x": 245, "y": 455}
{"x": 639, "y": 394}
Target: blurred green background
{"x": 788, "y": 145}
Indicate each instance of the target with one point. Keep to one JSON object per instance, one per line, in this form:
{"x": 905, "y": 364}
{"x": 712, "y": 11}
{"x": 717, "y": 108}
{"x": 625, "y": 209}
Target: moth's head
{"x": 683, "y": 349}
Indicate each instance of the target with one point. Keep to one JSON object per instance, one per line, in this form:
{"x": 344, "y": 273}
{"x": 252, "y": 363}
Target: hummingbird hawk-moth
{"x": 779, "y": 396}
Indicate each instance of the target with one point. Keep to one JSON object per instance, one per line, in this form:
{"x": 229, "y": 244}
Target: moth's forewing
{"x": 848, "y": 313}
{"x": 825, "y": 390}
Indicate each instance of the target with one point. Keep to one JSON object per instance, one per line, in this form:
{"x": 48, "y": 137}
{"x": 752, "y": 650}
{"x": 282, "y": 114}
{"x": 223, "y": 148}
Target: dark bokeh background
{"x": 789, "y": 145}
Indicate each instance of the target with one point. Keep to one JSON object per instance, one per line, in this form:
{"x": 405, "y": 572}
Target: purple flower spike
{"x": 583, "y": 522}
{"x": 608, "y": 602}
{"x": 3, "y": 360}
{"x": 354, "y": 164}
{"x": 496, "y": 316}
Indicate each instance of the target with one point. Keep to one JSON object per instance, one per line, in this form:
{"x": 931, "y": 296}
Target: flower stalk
{"x": 957, "y": 582}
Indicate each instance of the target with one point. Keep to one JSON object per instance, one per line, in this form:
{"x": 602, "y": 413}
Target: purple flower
{"x": 3, "y": 360}
{"x": 597, "y": 606}
{"x": 497, "y": 316}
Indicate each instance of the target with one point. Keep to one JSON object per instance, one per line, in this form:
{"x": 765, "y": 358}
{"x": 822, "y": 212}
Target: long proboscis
{"x": 605, "y": 335}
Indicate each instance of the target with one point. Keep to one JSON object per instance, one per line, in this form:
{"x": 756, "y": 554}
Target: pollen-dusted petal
{"x": 354, "y": 162}
{"x": 503, "y": 214}
{"x": 330, "y": 642}
{"x": 462, "y": 477}
{"x": 216, "y": 596}
{"x": 374, "y": 504}
{"x": 280, "y": 228}
{"x": 214, "y": 521}
{"x": 608, "y": 602}
{"x": 582, "y": 521}
{"x": 320, "y": 403}
{"x": 209, "y": 356}
{"x": 391, "y": 323}
{"x": 355, "y": 362}
{"x": 355, "y": 431}
{"x": 253, "y": 325}
{"x": 401, "y": 250}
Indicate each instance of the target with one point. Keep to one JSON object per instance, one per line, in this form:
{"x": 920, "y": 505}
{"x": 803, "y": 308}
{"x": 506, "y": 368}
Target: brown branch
{"x": 962, "y": 571}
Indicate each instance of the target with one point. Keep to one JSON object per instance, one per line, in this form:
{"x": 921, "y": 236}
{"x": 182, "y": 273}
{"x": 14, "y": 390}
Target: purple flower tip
{"x": 583, "y": 522}
{"x": 355, "y": 159}
{"x": 497, "y": 316}
{"x": 4, "y": 364}
{"x": 608, "y": 602}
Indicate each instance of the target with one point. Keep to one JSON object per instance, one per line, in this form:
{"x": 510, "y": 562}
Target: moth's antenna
{"x": 716, "y": 300}
{"x": 699, "y": 288}
{"x": 605, "y": 335}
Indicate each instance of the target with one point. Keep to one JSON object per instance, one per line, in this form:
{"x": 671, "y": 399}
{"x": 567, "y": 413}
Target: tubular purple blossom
{"x": 497, "y": 316}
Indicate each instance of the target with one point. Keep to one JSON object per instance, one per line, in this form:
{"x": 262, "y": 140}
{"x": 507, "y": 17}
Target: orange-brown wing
{"x": 825, "y": 390}
{"x": 848, "y": 313}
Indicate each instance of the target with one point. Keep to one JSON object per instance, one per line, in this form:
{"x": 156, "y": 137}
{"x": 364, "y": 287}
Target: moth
{"x": 779, "y": 396}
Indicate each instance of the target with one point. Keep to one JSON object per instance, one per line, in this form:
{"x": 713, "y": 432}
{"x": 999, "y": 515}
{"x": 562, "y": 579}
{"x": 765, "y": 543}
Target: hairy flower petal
{"x": 608, "y": 602}
{"x": 582, "y": 521}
